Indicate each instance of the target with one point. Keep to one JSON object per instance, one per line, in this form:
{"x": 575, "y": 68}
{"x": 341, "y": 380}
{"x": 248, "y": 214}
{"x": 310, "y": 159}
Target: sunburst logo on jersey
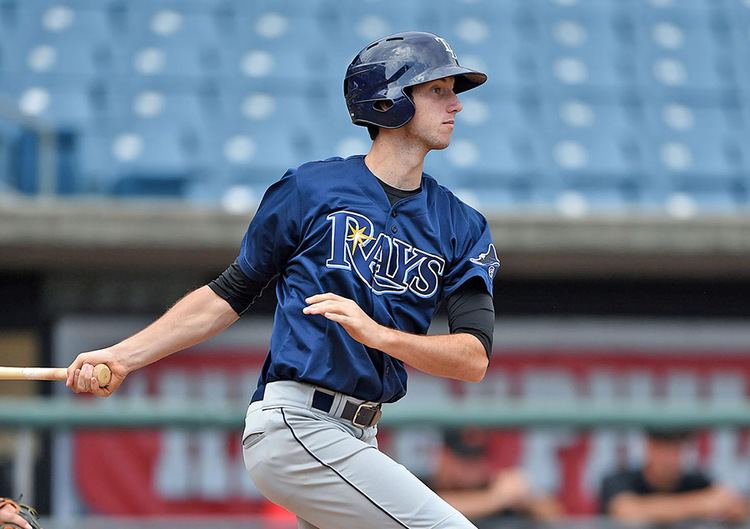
{"x": 387, "y": 265}
{"x": 358, "y": 237}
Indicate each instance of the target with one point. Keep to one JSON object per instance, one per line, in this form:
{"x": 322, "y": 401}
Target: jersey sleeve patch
{"x": 488, "y": 260}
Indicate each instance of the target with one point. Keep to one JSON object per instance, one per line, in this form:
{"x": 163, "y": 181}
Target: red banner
{"x": 186, "y": 472}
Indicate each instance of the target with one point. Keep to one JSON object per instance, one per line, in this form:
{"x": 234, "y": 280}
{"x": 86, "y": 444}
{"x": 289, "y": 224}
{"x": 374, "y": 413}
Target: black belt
{"x": 362, "y": 415}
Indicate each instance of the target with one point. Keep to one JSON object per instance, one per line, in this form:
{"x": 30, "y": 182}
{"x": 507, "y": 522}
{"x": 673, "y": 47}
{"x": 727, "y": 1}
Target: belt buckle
{"x": 368, "y": 407}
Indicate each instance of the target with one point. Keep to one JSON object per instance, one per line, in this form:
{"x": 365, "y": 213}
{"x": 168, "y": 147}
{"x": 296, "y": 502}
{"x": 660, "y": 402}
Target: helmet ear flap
{"x": 383, "y": 105}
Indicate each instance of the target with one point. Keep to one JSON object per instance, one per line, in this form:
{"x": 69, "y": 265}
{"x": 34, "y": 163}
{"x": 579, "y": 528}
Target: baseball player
{"x": 364, "y": 249}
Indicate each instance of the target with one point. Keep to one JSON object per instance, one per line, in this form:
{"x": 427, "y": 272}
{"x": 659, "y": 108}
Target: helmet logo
{"x": 448, "y": 48}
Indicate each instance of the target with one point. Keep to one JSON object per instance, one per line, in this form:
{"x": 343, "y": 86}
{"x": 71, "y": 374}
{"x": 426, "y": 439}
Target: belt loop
{"x": 338, "y": 404}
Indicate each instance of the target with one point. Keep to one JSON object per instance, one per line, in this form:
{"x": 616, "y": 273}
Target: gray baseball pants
{"x": 330, "y": 472}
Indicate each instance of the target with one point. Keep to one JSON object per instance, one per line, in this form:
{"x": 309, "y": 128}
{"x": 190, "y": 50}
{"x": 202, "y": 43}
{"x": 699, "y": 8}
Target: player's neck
{"x": 396, "y": 163}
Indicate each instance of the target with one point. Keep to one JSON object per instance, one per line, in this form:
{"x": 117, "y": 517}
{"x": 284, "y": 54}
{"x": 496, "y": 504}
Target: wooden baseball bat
{"x": 101, "y": 372}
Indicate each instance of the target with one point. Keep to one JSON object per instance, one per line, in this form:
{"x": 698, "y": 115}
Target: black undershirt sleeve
{"x": 234, "y": 287}
{"x": 470, "y": 310}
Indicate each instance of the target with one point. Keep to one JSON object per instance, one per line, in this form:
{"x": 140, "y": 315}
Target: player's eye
{"x": 437, "y": 90}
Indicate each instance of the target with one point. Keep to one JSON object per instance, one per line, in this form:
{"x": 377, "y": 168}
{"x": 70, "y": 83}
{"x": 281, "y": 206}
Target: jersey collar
{"x": 375, "y": 192}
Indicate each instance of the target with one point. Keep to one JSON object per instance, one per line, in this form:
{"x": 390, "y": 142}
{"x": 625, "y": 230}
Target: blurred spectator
{"x": 661, "y": 492}
{"x": 464, "y": 479}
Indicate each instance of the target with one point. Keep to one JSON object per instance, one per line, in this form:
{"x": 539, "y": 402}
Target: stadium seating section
{"x": 615, "y": 105}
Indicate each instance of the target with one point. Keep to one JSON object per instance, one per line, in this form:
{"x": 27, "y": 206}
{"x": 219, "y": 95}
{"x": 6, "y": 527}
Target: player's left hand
{"x": 347, "y": 313}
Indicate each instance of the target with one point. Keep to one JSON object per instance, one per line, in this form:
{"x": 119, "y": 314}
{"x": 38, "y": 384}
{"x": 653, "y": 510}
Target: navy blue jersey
{"x": 328, "y": 226}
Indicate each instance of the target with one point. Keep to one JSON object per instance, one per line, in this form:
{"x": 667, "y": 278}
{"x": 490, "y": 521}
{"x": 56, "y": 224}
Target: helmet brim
{"x": 466, "y": 79}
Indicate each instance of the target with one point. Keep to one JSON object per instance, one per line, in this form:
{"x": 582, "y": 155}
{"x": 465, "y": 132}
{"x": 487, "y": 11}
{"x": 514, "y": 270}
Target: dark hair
{"x": 467, "y": 442}
{"x": 675, "y": 435}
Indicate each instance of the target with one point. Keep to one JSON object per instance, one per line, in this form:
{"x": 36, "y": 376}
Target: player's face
{"x": 436, "y": 108}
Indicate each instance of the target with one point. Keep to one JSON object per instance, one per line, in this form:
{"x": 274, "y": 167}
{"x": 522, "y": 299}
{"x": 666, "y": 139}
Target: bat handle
{"x": 102, "y": 374}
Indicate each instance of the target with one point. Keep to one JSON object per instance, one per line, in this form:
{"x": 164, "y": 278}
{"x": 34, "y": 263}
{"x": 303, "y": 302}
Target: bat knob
{"x": 102, "y": 374}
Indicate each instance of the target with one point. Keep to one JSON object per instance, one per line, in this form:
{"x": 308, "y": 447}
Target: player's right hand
{"x": 81, "y": 373}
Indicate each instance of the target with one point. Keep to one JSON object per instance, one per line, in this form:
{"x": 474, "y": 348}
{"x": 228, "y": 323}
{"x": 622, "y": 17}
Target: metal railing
{"x": 46, "y": 413}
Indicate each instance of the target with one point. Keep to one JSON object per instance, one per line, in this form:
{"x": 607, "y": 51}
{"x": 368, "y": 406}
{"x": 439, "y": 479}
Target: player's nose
{"x": 455, "y": 106}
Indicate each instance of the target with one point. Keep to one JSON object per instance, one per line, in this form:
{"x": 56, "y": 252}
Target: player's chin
{"x": 438, "y": 142}
{"x": 441, "y": 144}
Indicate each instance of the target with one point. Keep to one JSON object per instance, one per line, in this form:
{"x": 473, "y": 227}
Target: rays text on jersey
{"x": 387, "y": 265}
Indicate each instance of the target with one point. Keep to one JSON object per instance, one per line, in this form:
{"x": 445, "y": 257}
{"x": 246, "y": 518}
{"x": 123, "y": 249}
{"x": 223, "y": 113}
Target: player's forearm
{"x": 658, "y": 508}
{"x": 459, "y": 356}
{"x": 193, "y": 319}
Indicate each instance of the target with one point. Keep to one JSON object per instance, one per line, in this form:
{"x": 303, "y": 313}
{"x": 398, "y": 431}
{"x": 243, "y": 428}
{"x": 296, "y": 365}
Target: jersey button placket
{"x": 394, "y": 229}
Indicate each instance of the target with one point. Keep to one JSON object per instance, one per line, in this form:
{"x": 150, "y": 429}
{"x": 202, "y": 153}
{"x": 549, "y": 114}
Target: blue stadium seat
{"x": 276, "y": 28}
{"x": 54, "y": 37}
{"x": 289, "y": 8}
{"x": 738, "y": 12}
{"x": 743, "y": 136}
{"x": 233, "y": 92}
{"x": 154, "y": 57}
{"x": 697, "y": 7}
{"x": 62, "y": 37}
{"x": 66, "y": 57}
{"x": 362, "y": 22}
{"x": 11, "y": 60}
{"x": 62, "y": 103}
{"x": 688, "y": 203}
{"x": 280, "y": 114}
{"x": 740, "y": 49}
{"x": 595, "y": 144}
{"x": 505, "y": 47}
{"x": 277, "y": 67}
{"x": 158, "y": 104}
{"x": 138, "y": 152}
{"x": 681, "y": 52}
{"x": 173, "y": 21}
{"x": 586, "y": 51}
{"x": 254, "y": 154}
{"x": 697, "y": 148}
{"x": 566, "y": 8}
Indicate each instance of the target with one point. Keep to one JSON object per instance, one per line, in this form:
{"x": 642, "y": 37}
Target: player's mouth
{"x": 451, "y": 122}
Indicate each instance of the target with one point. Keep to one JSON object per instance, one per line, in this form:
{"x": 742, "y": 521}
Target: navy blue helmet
{"x": 382, "y": 71}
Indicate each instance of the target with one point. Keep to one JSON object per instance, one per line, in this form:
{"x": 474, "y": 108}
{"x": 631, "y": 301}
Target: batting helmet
{"x": 382, "y": 70}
